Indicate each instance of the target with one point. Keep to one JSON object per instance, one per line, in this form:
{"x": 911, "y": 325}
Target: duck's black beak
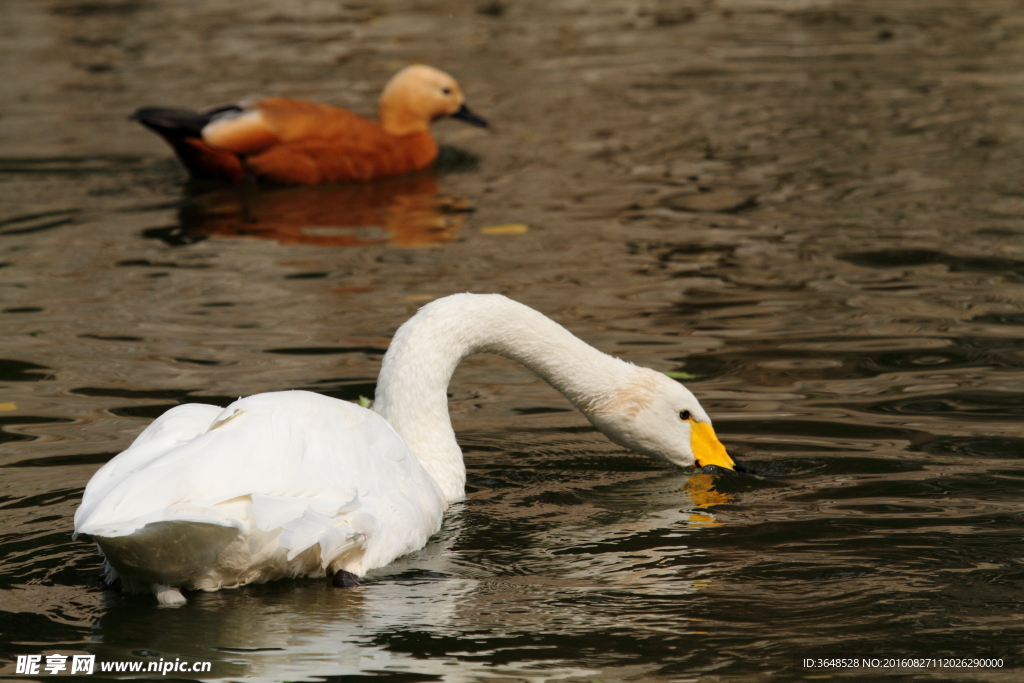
{"x": 464, "y": 114}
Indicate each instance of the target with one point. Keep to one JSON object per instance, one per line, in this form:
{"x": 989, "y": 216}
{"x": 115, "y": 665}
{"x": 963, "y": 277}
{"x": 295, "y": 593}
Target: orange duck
{"x": 302, "y": 143}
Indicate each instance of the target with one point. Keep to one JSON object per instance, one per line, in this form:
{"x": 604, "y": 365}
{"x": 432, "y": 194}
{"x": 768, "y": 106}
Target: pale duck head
{"x": 417, "y": 95}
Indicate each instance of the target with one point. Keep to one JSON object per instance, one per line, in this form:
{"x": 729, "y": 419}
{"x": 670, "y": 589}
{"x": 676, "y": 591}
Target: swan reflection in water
{"x": 454, "y": 609}
{"x": 406, "y": 211}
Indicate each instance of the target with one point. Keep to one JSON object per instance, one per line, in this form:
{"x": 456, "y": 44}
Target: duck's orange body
{"x": 303, "y": 143}
{"x": 296, "y": 142}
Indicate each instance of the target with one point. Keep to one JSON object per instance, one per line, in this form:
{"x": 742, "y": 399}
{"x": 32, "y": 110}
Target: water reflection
{"x": 291, "y": 630}
{"x": 406, "y": 211}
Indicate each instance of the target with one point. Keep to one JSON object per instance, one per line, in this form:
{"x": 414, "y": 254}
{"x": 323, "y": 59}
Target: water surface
{"x": 814, "y": 208}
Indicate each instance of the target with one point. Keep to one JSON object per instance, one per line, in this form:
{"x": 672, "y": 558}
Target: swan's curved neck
{"x": 412, "y": 387}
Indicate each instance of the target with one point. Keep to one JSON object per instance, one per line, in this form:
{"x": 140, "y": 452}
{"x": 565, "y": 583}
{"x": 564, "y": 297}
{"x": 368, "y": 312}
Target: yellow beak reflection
{"x": 707, "y": 449}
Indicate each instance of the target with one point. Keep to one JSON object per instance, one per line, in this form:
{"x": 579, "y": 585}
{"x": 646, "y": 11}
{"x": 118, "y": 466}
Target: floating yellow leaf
{"x": 506, "y": 229}
{"x": 7, "y": 407}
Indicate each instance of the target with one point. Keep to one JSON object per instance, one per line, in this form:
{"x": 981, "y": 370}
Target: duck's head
{"x": 417, "y": 95}
{"x": 657, "y": 416}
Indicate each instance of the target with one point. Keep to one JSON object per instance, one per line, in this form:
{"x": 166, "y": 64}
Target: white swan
{"x": 297, "y": 484}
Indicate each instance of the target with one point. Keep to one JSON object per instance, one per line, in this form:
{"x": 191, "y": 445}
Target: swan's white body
{"x": 298, "y": 484}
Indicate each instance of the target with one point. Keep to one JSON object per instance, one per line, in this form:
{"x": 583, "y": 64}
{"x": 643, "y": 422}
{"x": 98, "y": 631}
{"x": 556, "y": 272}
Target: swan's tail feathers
{"x": 182, "y": 130}
{"x": 336, "y": 525}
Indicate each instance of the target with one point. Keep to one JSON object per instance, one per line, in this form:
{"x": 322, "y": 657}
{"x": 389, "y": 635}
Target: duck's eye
{"x": 446, "y": 91}
{"x": 685, "y": 415}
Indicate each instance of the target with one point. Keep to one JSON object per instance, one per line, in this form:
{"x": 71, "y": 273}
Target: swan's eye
{"x": 446, "y": 91}
{"x": 685, "y": 415}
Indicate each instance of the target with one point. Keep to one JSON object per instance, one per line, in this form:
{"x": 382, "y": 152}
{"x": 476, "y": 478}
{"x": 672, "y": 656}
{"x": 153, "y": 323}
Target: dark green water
{"x": 814, "y": 208}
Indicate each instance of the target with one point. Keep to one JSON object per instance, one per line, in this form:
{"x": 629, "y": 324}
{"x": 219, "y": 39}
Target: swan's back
{"x": 277, "y": 484}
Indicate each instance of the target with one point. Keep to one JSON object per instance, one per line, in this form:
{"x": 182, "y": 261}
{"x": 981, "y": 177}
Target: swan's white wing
{"x": 320, "y": 470}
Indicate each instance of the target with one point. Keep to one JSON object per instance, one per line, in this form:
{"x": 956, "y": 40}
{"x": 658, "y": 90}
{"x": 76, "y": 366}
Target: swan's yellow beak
{"x": 707, "y": 449}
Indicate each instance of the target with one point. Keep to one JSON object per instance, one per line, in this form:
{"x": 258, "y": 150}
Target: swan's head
{"x": 657, "y": 416}
{"x": 417, "y": 95}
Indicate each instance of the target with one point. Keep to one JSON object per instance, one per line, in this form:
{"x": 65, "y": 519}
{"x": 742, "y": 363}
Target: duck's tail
{"x": 183, "y": 130}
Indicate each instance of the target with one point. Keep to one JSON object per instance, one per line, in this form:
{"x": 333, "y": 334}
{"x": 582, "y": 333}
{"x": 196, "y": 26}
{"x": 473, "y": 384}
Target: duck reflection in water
{"x": 404, "y": 211}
